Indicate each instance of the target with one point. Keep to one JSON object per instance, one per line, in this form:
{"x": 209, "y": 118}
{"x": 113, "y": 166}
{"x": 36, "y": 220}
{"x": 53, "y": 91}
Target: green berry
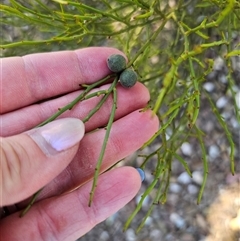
{"x": 116, "y": 63}
{"x": 128, "y": 78}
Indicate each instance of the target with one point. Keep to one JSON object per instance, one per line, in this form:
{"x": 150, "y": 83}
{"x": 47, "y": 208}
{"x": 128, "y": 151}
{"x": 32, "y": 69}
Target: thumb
{"x": 32, "y": 159}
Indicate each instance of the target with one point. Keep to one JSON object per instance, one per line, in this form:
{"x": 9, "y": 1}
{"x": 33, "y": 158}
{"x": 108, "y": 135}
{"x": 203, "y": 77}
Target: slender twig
{"x": 33, "y": 199}
{"x": 205, "y": 163}
{"x": 75, "y": 101}
{"x": 226, "y": 130}
{"x": 105, "y": 141}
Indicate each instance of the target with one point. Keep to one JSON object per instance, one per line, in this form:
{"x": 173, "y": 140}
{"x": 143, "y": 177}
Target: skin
{"x": 32, "y": 88}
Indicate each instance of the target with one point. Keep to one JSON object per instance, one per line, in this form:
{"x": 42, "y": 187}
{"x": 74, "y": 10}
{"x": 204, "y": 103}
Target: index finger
{"x": 35, "y": 77}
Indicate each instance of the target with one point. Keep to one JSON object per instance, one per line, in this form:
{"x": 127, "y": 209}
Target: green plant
{"x": 167, "y": 44}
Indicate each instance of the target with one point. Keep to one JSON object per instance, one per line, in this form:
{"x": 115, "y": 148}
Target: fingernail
{"x": 58, "y": 135}
{"x": 141, "y": 173}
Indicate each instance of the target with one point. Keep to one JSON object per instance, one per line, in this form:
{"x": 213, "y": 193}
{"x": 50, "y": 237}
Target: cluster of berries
{"x": 127, "y": 76}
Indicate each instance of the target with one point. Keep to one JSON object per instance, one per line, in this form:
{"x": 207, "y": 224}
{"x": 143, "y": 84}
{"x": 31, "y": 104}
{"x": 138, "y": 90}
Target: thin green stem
{"x": 205, "y": 163}
{"x": 105, "y": 141}
{"x": 159, "y": 170}
{"x": 103, "y": 13}
{"x": 151, "y": 39}
{"x": 99, "y": 105}
{"x": 196, "y": 106}
{"x": 182, "y": 161}
{"x": 227, "y": 132}
{"x": 75, "y": 101}
{"x": 223, "y": 14}
{"x": 33, "y": 199}
{"x": 169, "y": 121}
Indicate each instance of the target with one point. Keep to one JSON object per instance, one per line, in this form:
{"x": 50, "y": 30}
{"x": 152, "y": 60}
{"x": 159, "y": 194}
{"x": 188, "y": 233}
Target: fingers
{"x": 68, "y": 217}
{"x": 39, "y": 76}
{"x": 24, "y": 119}
{"x": 127, "y": 135}
{"x": 31, "y": 160}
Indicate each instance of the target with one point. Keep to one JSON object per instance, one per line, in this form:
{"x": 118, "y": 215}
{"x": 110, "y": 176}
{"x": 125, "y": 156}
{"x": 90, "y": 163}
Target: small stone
{"x": 149, "y": 221}
{"x": 221, "y": 102}
{"x": 223, "y": 79}
{"x": 130, "y": 235}
{"x": 155, "y": 234}
{"x": 177, "y": 220}
{"x": 213, "y": 151}
{"x": 218, "y": 64}
{"x": 197, "y": 177}
{"x": 208, "y": 86}
{"x": 104, "y": 236}
{"x": 235, "y": 123}
{"x": 175, "y": 188}
{"x": 186, "y": 149}
{"x": 192, "y": 189}
{"x": 184, "y": 178}
{"x": 110, "y": 221}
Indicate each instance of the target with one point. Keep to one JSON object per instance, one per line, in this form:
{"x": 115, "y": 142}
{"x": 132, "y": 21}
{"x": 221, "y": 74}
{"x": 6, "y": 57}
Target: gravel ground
{"x": 217, "y": 217}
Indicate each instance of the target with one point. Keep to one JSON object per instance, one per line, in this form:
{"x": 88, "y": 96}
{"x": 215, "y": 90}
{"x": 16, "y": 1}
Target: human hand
{"x": 32, "y": 88}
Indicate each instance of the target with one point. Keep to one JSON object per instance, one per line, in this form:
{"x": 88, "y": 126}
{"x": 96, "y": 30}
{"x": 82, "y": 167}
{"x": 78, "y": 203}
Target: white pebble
{"x": 155, "y": 234}
{"x": 104, "y": 236}
{"x": 130, "y": 235}
{"x": 208, "y": 86}
{"x": 235, "y": 123}
{"x": 192, "y": 189}
{"x": 218, "y": 64}
{"x": 184, "y": 178}
{"x": 149, "y": 221}
{"x": 177, "y": 220}
{"x": 221, "y": 102}
{"x": 186, "y": 149}
{"x": 197, "y": 177}
{"x": 167, "y": 136}
{"x": 223, "y": 79}
{"x": 226, "y": 114}
{"x": 110, "y": 221}
{"x": 213, "y": 151}
{"x": 175, "y": 188}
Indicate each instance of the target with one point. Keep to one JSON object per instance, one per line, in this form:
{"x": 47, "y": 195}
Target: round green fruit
{"x": 116, "y": 63}
{"x": 128, "y": 78}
